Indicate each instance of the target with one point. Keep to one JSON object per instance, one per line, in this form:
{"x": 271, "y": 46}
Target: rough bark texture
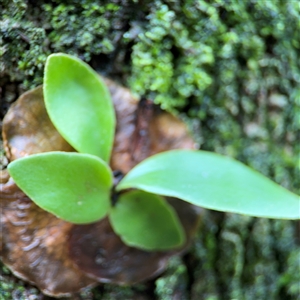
{"x": 230, "y": 68}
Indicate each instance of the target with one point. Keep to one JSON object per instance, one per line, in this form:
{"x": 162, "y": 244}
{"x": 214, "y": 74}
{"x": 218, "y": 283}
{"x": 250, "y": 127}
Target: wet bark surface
{"x": 249, "y": 115}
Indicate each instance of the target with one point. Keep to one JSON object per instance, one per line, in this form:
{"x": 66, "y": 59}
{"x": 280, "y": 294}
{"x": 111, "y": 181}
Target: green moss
{"x": 245, "y": 258}
{"x": 224, "y": 65}
{"x": 92, "y": 24}
{"x": 22, "y": 50}
{"x": 10, "y": 288}
{"x": 291, "y": 277}
{"x": 112, "y": 292}
{"x": 231, "y": 69}
{"x": 30, "y": 32}
{"x": 174, "y": 283}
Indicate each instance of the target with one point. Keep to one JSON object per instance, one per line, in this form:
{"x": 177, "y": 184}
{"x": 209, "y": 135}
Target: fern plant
{"x": 79, "y": 187}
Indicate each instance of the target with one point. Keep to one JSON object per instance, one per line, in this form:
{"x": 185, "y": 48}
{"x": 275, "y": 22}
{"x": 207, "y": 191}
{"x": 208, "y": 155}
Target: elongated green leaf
{"x": 146, "y": 221}
{"x": 213, "y": 181}
{"x": 72, "y": 186}
{"x": 79, "y": 105}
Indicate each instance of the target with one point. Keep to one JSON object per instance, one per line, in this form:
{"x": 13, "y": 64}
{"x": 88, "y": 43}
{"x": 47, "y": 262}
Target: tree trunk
{"x": 231, "y": 71}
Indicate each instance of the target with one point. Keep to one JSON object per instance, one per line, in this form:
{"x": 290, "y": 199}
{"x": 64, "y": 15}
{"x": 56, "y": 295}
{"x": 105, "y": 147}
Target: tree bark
{"x": 238, "y": 95}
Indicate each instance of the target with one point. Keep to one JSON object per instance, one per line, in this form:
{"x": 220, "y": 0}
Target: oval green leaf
{"x": 79, "y": 105}
{"x": 74, "y": 187}
{"x": 213, "y": 181}
{"x": 146, "y": 221}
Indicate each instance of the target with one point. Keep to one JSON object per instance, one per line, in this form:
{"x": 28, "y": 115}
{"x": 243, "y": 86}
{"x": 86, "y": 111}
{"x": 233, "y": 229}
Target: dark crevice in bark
{"x": 220, "y": 285}
{"x": 190, "y": 263}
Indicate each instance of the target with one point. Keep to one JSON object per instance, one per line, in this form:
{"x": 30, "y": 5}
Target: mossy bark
{"x": 230, "y": 69}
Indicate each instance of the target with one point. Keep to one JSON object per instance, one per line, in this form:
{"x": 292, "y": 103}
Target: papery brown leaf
{"x": 54, "y": 254}
{"x": 33, "y": 245}
{"x": 143, "y": 130}
{"x": 108, "y": 259}
{"x": 27, "y": 128}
